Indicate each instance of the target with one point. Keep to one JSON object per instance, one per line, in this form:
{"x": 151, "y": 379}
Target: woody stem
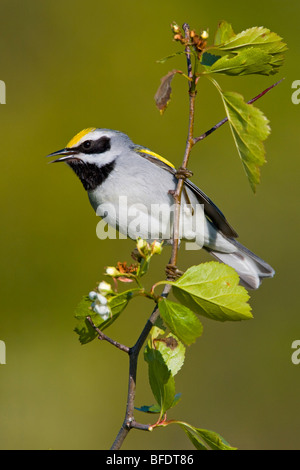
{"x": 189, "y": 144}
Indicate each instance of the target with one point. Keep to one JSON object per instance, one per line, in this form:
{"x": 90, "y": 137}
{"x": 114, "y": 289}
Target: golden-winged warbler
{"x": 130, "y": 187}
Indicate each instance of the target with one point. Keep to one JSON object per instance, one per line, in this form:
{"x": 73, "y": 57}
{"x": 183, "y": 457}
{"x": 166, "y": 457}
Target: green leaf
{"x": 254, "y": 51}
{"x": 249, "y": 128}
{"x": 149, "y": 409}
{"x": 181, "y": 321}
{"x": 172, "y": 351}
{"x": 247, "y": 62}
{"x": 211, "y": 438}
{"x": 224, "y": 33}
{"x": 176, "y": 400}
{"x": 193, "y": 437}
{"x": 156, "y": 408}
{"x": 258, "y": 36}
{"x": 214, "y": 440}
{"x": 84, "y": 329}
{"x": 117, "y": 305}
{"x": 160, "y": 378}
{"x": 209, "y": 59}
{"x": 211, "y": 289}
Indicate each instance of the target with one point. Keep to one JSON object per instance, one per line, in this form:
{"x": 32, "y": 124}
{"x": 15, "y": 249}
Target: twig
{"x": 216, "y": 126}
{"x": 186, "y": 30}
{"x": 103, "y": 336}
{"x": 189, "y": 144}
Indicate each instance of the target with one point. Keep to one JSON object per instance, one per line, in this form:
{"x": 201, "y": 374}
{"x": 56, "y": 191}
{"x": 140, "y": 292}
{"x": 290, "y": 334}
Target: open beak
{"x": 67, "y": 155}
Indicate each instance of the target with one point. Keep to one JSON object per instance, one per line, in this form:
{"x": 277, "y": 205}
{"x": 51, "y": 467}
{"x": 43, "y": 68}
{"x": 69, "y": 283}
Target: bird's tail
{"x": 249, "y": 267}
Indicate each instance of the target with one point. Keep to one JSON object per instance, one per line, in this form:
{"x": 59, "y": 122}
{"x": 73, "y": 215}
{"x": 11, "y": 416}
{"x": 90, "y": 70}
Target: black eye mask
{"x": 94, "y": 146}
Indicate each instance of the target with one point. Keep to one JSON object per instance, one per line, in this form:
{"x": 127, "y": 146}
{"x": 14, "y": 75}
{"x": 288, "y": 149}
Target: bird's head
{"x": 92, "y": 154}
{"x": 94, "y": 146}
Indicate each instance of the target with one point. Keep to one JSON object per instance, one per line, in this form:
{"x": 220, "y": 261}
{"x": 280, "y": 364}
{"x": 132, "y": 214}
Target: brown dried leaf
{"x": 123, "y": 268}
{"x": 163, "y": 94}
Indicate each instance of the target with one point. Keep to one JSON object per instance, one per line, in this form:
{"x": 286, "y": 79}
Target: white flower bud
{"x": 112, "y": 271}
{"x": 156, "y": 248}
{"x": 93, "y": 295}
{"x": 102, "y": 299}
{"x": 142, "y": 244}
{"x": 102, "y": 310}
{"x": 104, "y": 288}
{"x": 105, "y": 317}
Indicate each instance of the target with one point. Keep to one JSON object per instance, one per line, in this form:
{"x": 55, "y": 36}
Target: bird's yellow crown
{"x": 79, "y": 136}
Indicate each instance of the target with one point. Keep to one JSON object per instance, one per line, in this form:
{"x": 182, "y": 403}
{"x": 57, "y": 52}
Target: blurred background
{"x": 69, "y": 65}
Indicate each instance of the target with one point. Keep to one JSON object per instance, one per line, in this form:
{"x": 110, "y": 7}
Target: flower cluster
{"x": 197, "y": 41}
{"x": 145, "y": 249}
{"x": 100, "y": 300}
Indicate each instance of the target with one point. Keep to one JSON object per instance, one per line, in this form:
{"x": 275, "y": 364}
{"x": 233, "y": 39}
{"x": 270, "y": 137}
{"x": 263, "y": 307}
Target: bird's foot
{"x": 183, "y": 173}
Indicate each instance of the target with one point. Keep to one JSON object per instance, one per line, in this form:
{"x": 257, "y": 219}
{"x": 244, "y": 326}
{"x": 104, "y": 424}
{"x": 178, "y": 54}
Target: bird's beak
{"x": 67, "y": 154}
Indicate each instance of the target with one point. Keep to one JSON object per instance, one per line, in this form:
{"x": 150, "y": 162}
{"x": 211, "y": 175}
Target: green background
{"x": 69, "y": 65}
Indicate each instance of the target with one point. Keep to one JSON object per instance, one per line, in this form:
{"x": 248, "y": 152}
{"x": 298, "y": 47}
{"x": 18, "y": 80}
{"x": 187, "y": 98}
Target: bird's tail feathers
{"x": 248, "y": 265}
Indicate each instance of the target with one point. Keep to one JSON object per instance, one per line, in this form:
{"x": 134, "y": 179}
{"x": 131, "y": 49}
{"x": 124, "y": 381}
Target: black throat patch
{"x": 90, "y": 174}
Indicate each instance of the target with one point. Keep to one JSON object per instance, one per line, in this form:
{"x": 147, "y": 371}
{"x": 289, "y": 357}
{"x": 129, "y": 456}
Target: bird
{"x": 130, "y": 187}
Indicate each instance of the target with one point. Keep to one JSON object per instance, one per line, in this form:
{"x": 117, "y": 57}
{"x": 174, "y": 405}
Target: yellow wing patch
{"x": 153, "y": 154}
{"x": 79, "y": 136}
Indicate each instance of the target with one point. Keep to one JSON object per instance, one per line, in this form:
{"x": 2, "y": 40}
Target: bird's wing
{"x": 210, "y": 209}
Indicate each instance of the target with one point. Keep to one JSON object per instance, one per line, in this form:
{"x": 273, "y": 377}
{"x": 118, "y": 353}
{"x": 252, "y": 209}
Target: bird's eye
{"x": 87, "y": 144}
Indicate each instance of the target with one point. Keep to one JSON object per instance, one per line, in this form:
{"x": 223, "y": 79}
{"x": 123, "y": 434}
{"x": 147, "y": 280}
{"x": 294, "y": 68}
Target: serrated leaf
{"x": 211, "y": 289}
{"x": 160, "y": 378}
{"x": 254, "y": 51}
{"x": 258, "y": 36}
{"x": 181, "y": 321}
{"x": 224, "y": 33}
{"x": 172, "y": 351}
{"x": 84, "y": 329}
{"x": 163, "y": 94}
{"x": 250, "y": 128}
{"x": 247, "y": 62}
{"x": 211, "y": 438}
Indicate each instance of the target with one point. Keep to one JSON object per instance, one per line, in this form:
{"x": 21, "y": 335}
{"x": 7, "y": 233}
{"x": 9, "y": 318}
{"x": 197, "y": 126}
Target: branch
{"x": 103, "y": 336}
{"x": 215, "y": 127}
{"x": 186, "y": 29}
{"x": 189, "y": 144}
{"x": 129, "y": 421}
